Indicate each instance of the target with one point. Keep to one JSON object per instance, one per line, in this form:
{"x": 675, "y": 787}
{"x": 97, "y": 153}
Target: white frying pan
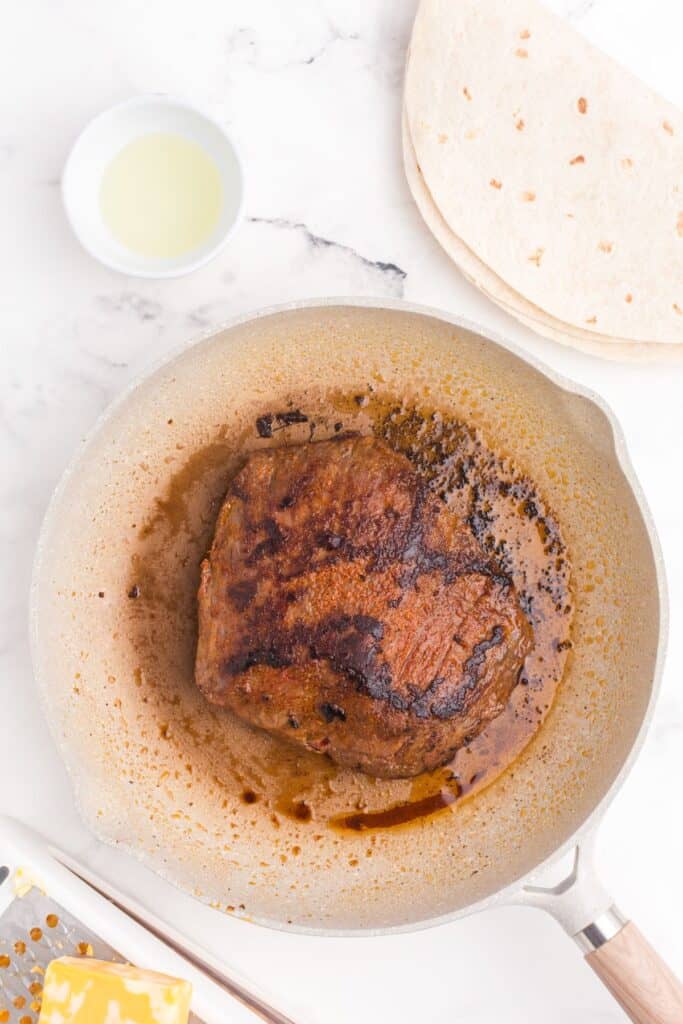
{"x": 159, "y": 773}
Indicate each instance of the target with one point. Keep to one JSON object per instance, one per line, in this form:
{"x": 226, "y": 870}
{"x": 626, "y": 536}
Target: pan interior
{"x": 143, "y": 753}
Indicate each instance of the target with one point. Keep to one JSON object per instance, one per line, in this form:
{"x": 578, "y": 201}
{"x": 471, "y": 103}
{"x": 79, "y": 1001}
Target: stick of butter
{"x": 85, "y": 991}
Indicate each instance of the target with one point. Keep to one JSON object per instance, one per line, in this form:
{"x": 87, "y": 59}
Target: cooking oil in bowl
{"x": 153, "y": 187}
{"x": 161, "y": 196}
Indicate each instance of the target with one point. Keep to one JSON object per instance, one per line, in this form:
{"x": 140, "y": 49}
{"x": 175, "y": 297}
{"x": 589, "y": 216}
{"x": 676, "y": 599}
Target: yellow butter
{"x": 86, "y": 991}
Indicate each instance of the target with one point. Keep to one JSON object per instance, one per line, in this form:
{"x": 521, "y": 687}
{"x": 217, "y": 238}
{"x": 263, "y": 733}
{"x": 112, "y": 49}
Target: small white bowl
{"x": 103, "y": 138}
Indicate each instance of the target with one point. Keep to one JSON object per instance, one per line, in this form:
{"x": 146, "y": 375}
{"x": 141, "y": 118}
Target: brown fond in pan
{"x": 503, "y": 510}
{"x": 224, "y": 810}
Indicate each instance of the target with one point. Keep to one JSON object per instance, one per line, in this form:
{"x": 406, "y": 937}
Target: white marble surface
{"x": 311, "y": 91}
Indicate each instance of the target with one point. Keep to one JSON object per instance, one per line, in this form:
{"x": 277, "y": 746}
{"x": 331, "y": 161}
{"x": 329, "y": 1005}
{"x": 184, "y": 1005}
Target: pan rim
{"x": 592, "y": 819}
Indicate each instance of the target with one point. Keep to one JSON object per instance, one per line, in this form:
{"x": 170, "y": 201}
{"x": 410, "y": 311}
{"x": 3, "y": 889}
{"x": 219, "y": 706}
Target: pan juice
{"x": 161, "y": 196}
{"x": 283, "y": 783}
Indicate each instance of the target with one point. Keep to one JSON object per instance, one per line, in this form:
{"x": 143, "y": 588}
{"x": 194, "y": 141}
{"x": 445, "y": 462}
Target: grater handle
{"x": 213, "y": 973}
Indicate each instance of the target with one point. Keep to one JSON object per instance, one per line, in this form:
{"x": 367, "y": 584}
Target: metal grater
{"x": 46, "y": 899}
{"x": 34, "y": 930}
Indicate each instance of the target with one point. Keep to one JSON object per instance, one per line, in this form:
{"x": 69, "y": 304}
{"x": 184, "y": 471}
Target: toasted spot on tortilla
{"x": 525, "y": 34}
{"x": 668, "y": 127}
{"x": 521, "y": 52}
{"x": 537, "y": 256}
{"x": 605, "y": 246}
{"x": 582, "y": 104}
{"x": 528, "y": 197}
{"x": 677, "y": 309}
{"x": 580, "y": 159}
{"x": 627, "y": 162}
{"x": 520, "y": 125}
{"x": 628, "y": 297}
{"x": 494, "y": 183}
{"x": 592, "y": 320}
{"x": 466, "y": 93}
{"x": 443, "y": 138}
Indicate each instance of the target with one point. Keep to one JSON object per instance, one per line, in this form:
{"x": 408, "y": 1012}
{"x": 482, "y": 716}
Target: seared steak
{"x": 344, "y": 607}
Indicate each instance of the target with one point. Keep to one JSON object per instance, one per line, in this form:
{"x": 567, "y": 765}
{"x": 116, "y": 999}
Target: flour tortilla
{"x": 495, "y": 289}
{"x": 558, "y": 169}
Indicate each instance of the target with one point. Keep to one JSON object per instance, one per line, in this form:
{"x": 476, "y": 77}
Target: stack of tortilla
{"x": 550, "y": 175}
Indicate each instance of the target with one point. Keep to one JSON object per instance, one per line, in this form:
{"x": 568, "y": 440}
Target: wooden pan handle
{"x": 639, "y": 980}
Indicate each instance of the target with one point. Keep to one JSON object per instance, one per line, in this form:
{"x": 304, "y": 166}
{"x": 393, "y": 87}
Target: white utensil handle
{"x": 22, "y": 847}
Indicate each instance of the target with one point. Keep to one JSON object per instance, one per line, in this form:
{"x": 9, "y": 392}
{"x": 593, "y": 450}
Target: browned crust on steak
{"x": 343, "y": 607}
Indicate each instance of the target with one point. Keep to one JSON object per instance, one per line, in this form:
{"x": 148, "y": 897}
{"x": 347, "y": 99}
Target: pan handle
{"x": 646, "y": 989}
{"x": 637, "y": 977}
